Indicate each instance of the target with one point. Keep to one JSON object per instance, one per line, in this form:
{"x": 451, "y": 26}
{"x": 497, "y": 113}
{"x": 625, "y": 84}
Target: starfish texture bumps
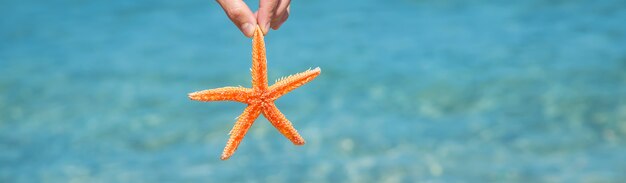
{"x": 260, "y": 98}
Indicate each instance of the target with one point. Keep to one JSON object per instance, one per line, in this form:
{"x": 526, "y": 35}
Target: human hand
{"x": 271, "y": 14}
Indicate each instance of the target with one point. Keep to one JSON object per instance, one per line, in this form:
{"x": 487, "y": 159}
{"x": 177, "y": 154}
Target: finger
{"x": 267, "y": 9}
{"x": 282, "y": 13}
{"x": 276, "y": 23}
{"x": 282, "y": 8}
{"x": 240, "y": 14}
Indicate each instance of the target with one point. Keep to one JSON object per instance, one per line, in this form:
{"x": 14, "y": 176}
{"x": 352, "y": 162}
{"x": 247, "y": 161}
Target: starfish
{"x": 260, "y": 98}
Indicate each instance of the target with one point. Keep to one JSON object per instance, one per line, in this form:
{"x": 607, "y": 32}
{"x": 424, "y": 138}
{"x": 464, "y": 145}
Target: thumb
{"x": 240, "y": 15}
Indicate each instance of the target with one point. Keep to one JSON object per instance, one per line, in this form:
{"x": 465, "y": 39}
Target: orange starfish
{"x": 260, "y": 98}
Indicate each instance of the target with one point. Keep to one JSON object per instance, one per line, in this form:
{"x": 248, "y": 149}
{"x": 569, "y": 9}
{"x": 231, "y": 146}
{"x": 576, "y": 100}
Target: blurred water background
{"x": 410, "y": 91}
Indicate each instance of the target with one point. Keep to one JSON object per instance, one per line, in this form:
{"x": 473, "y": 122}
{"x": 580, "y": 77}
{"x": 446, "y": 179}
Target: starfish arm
{"x": 239, "y": 94}
{"x": 292, "y": 82}
{"x": 244, "y": 121}
{"x": 259, "y": 61}
{"x": 281, "y": 123}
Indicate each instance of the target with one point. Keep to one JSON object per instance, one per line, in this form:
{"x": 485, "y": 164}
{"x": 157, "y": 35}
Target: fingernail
{"x": 248, "y": 29}
{"x": 266, "y": 28}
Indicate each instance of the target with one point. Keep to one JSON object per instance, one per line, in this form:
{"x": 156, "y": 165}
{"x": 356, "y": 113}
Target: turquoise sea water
{"x": 410, "y": 91}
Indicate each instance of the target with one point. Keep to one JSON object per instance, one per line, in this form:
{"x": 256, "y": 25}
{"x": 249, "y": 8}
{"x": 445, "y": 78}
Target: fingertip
{"x": 276, "y": 27}
{"x": 266, "y": 28}
{"x": 248, "y": 30}
{"x": 240, "y": 15}
{"x": 278, "y": 23}
{"x": 264, "y": 24}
